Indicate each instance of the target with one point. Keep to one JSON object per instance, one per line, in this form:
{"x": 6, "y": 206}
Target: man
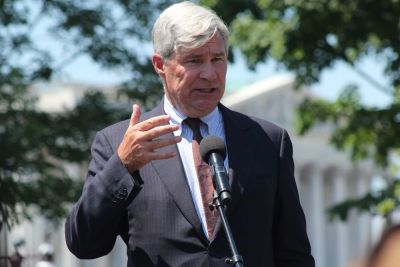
{"x": 143, "y": 183}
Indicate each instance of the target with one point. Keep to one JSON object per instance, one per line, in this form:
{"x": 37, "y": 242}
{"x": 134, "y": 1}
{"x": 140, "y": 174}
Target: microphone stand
{"x": 220, "y": 204}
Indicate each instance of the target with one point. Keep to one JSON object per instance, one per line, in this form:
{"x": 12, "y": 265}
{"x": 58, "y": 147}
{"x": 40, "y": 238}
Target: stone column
{"x": 340, "y": 195}
{"x": 317, "y": 217}
{"x": 364, "y": 220}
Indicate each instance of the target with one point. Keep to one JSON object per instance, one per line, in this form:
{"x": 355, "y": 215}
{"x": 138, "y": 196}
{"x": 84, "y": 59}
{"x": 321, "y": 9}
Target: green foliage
{"x": 383, "y": 203}
{"x": 369, "y": 132}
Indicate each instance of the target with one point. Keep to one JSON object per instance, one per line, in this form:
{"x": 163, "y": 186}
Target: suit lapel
{"x": 240, "y": 155}
{"x": 172, "y": 175}
{"x": 241, "y": 152}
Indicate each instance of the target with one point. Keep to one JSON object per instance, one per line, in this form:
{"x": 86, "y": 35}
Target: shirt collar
{"x": 212, "y": 119}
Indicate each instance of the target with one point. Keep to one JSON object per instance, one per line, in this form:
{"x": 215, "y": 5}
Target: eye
{"x": 194, "y": 61}
{"x": 218, "y": 59}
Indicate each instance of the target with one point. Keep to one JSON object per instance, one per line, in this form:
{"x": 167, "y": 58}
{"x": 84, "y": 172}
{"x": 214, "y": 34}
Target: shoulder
{"x": 111, "y": 135}
{"x": 116, "y": 128}
{"x": 263, "y": 127}
{"x": 120, "y": 126}
{"x": 273, "y": 130}
{"x": 266, "y": 125}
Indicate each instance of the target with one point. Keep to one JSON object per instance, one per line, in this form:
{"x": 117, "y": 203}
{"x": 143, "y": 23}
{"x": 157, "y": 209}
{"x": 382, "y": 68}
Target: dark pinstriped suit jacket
{"x": 153, "y": 210}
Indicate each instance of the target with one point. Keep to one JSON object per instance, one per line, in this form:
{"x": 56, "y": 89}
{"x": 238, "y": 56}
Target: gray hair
{"x": 186, "y": 25}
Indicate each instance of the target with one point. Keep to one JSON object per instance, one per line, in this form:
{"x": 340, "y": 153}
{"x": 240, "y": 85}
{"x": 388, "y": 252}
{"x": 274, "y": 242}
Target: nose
{"x": 208, "y": 72}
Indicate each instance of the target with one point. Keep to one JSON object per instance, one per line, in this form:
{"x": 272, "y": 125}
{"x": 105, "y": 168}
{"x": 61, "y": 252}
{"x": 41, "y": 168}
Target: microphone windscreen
{"x": 212, "y": 144}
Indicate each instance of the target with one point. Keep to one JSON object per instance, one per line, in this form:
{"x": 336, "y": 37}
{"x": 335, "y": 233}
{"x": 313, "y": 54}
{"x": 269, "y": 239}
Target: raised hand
{"x": 141, "y": 139}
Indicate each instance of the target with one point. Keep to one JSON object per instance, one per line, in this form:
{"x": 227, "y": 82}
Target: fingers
{"x": 155, "y": 144}
{"x": 153, "y": 128}
{"x": 152, "y": 122}
{"x": 150, "y": 128}
{"x": 156, "y": 155}
{"x": 136, "y": 156}
{"x": 141, "y": 140}
{"x": 135, "y": 115}
{"x": 160, "y": 131}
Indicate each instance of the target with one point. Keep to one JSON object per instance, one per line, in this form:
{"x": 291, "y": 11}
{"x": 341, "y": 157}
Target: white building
{"x": 324, "y": 176}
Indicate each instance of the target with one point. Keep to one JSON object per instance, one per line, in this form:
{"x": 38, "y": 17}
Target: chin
{"x": 203, "y": 112}
{"x": 201, "y": 108}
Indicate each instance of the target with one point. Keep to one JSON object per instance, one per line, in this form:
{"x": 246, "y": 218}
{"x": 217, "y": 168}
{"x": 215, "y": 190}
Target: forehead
{"x": 214, "y": 46}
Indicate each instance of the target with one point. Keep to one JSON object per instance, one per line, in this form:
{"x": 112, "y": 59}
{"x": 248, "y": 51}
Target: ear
{"x": 158, "y": 64}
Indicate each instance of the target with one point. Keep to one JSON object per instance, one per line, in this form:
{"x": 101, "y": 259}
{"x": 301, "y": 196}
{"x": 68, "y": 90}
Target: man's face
{"x": 195, "y": 78}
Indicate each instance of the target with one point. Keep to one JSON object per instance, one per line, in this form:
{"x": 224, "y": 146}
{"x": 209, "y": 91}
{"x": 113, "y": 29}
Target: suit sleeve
{"x": 292, "y": 248}
{"x": 99, "y": 216}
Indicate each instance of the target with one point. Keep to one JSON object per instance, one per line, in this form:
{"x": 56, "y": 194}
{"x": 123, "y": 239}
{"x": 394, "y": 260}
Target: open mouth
{"x": 206, "y": 90}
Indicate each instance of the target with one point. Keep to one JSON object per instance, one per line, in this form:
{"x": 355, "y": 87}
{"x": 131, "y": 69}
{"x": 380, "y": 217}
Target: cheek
{"x": 222, "y": 72}
{"x": 185, "y": 82}
{"x": 174, "y": 74}
{"x": 188, "y": 75}
{"x": 182, "y": 78}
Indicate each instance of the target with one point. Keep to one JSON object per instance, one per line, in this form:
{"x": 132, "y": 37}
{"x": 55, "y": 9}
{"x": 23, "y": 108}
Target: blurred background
{"x": 327, "y": 71}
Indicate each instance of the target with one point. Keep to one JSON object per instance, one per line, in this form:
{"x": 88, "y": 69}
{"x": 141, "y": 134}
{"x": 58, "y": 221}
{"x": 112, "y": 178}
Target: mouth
{"x": 206, "y": 90}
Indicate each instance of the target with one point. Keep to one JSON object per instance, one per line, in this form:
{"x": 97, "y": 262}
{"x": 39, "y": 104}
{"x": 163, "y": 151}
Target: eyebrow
{"x": 220, "y": 54}
{"x": 190, "y": 56}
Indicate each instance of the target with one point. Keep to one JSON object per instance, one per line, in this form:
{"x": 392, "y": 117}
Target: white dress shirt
{"x": 213, "y": 124}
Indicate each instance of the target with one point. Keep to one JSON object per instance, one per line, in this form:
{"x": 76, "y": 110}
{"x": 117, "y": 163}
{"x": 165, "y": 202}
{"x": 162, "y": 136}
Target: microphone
{"x": 213, "y": 151}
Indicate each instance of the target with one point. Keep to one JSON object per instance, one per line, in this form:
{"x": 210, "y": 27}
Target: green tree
{"x": 310, "y": 36}
{"x": 38, "y": 40}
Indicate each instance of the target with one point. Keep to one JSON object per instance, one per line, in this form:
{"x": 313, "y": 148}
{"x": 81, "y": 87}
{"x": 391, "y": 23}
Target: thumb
{"x": 135, "y": 114}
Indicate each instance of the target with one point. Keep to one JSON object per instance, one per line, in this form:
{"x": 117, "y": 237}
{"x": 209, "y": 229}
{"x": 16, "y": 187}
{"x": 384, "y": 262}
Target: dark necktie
{"x": 204, "y": 176}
